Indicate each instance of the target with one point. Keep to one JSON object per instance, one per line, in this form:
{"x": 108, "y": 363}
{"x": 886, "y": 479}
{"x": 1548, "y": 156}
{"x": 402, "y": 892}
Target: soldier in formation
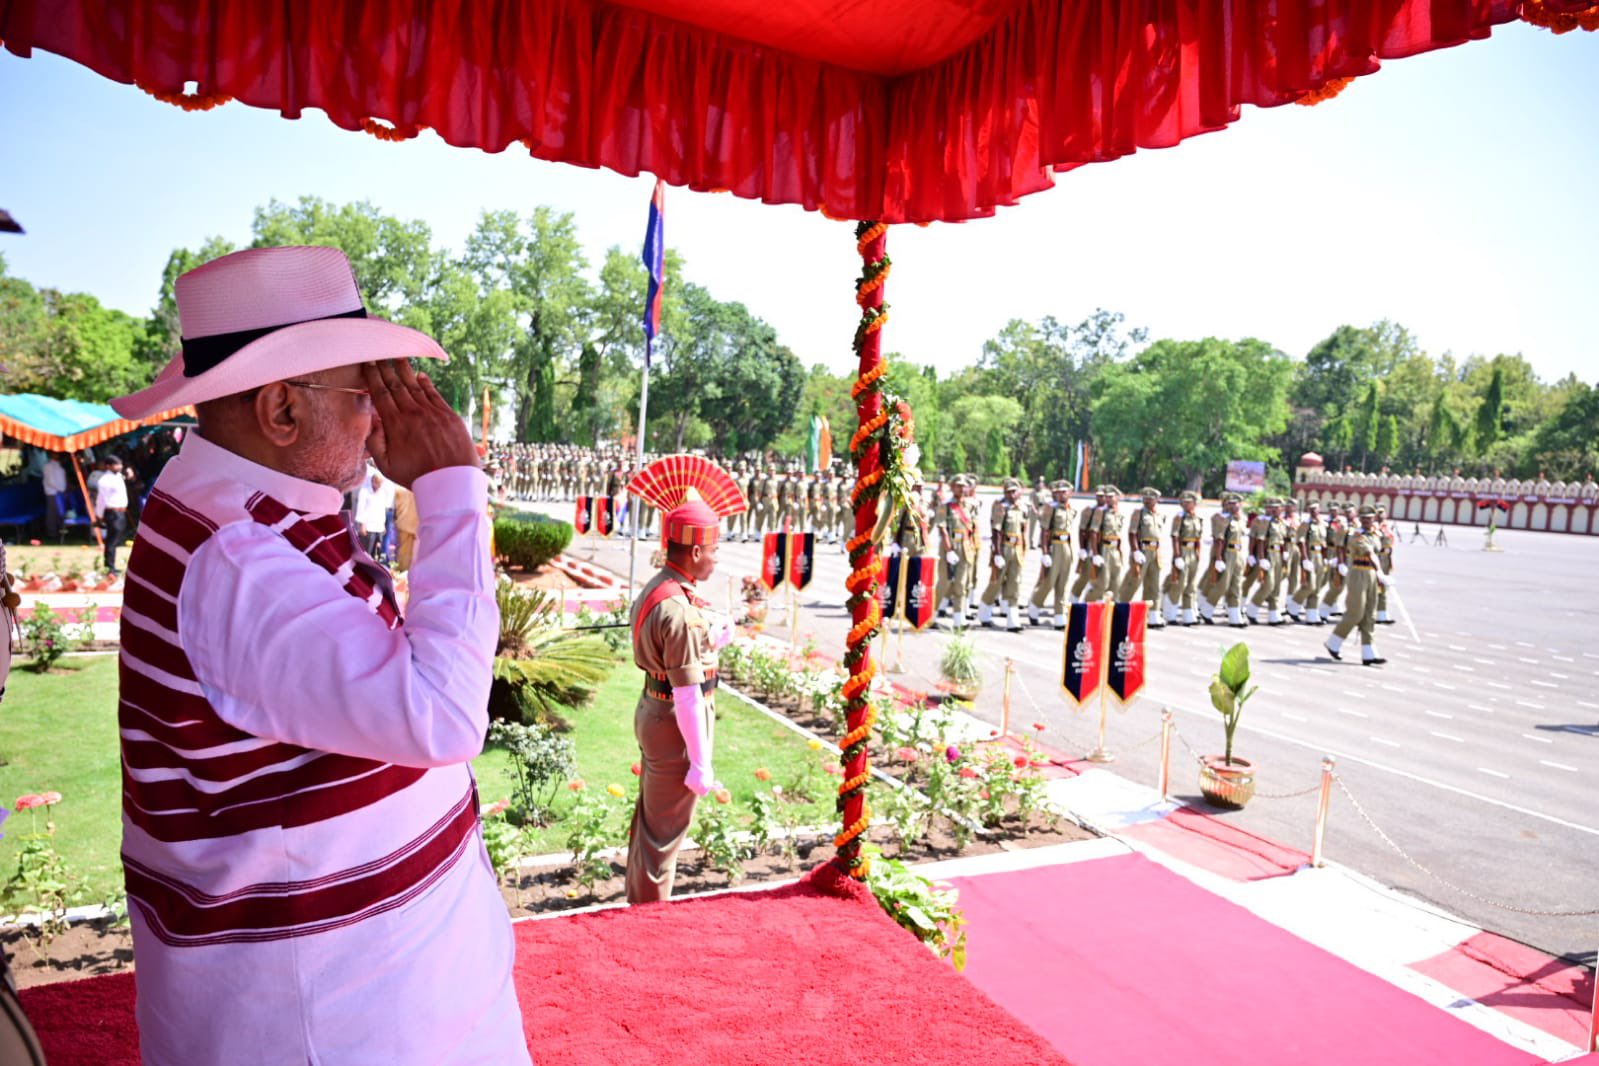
{"x": 1056, "y": 521}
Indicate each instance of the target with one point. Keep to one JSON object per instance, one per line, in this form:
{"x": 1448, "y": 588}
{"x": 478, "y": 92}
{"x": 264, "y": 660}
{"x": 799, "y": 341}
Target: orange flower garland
{"x": 1558, "y": 17}
{"x": 393, "y": 134}
{"x": 198, "y": 102}
{"x": 1325, "y": 93}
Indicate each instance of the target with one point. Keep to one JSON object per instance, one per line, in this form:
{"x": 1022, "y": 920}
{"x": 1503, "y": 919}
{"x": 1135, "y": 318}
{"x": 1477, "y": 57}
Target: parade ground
{"x": 1474, "y": 749}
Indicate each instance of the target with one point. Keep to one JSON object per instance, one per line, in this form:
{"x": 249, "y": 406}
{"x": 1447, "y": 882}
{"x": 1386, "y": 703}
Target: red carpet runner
{"x": 1120, "y": 962}
{"x": 794, "y": 975}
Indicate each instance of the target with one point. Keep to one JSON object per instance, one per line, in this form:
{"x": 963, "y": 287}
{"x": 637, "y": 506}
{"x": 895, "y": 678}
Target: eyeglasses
{"x": 331, "y": 388}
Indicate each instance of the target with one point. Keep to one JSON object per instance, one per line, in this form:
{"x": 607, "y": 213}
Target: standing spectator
{"x": 55, "y": 499}
{"x": 406, "y": 522}
{"x": 111, "y": 507}
{"x": 372, "y": 511}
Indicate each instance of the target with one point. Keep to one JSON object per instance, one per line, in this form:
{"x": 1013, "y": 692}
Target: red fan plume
{"x": 666, "y": 482}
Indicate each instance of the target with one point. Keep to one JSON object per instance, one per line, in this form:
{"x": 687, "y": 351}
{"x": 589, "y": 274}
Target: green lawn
{"x": 58, "y": 732}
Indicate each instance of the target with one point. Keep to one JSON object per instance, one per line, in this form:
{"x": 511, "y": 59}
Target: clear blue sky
{"x": 1452, "y": 192}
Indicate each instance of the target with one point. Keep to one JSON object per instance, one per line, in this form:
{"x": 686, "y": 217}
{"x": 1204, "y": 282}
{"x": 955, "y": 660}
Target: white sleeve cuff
{"x": 452, "y": 488}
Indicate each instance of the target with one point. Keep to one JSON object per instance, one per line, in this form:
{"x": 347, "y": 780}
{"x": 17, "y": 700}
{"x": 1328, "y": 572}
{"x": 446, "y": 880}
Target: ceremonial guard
{"x": 750, "y": 483}
{"x": 675, "y": 645}
{"x": 843, "y": 514}
{"x": 1258, "y": 524}
{"x": 1292, "y": 573}
{"x": 1007, "y": 551}
{"x": 767, "y": 509}
{"x": 1055, "y": 552}
{"x": 961, "y": 548}
{"x": 1108, "y": 560}
{"x": 1312, "y": 540}
{"x": 1143, "y": 540}
{"x": 822, "y": 510}
{"x": 1338, "y": 529}
{"x": 1186, "y": 533}
{"x": 1087, "y": 530}
{"x": 1271, "y": 546}
{"x": 1363, "y": 574}
{"x": 1211, "y": 588}
{"x": 1385, "y": 559}
{"x": 1227, "y": 558}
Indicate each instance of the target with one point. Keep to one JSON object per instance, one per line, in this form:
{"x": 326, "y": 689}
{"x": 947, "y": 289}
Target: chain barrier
{"x": 1200, "y": 759}
{"x": 1403, "y": 854}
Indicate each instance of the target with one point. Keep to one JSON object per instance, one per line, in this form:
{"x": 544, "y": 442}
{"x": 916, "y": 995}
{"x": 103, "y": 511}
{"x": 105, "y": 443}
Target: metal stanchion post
{"x": 1327, "y": 764}
{"x": 1593, "y": 1020}
{"x": 1165, "y": 753}
{"x": 1004, "y": 713}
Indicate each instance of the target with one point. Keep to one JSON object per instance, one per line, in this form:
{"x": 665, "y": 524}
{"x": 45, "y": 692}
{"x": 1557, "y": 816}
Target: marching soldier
{"x": 1087, "y": 530}
{"x": 822, "y": 508}
{"x": 1186, "y": 533}
{"x": 1363, "y": 572}
{"x": 1291, "y": 570}
{"x": 1271, "y": 545}
{"x": 1338, "y": 529}
{"x": 1385, "y": 558}
{"x": 843, "y": 513}
{"x": 1055, "y": 552}
{"x": 1212, "y": 589}
{"x": 1312, "y": 540}
{"x": 1143, "y": 543}
{"x": 751, "y": 484}
{"x": 961, "y": 542}
{"x": 1228, "y": 553}
{"x": 1007, "y": 551}
{"x": 1037, "y": 502}
{"x": 1108, "y": 560}
{"x": 770, "y": 486}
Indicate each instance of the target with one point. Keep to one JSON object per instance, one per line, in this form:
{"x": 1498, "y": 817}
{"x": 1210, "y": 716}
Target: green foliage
{"x": 1490, "y": 424}
{"x": 47, "y": 636}
{"x": 41, "y": 884}
{"x": 66, "y": 344}
{"x": 527, "y": 540}
{"x": 589, "y": 834}
{"x": 716, "y": 832}
{"x": 959, "y": 662}
{"x": 504, "y": 842}
{"x": 918, "y": 904}
{"x": 540, "y": 761}
{"x": 1227, "y": 693}
{"x": 540, "y": 668}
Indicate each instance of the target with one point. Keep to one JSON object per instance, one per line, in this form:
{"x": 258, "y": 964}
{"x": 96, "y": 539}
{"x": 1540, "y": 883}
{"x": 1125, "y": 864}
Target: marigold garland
{"x": 1558, "y": 18}
{"x": 1325, "y": 93}
{"x": 197, "y": 102}
{"x": 393, "y": 134}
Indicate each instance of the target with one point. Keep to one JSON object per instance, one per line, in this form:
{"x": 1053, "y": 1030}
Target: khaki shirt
{"x": 674, "y": 642}
{"x": 1146, "y": 528}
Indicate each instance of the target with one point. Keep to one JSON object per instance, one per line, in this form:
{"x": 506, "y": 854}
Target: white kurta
{"x": 227, "y": 971}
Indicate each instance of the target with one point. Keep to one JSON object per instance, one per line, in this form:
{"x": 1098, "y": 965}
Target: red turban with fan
{"x": 692, "y": 493}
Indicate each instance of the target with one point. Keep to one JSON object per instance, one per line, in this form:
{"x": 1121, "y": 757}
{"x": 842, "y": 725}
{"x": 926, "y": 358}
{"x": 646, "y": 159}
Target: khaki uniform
{"x": 1186, "y": 532}
{"x": 1087, "y": 529}
{"x": 1212, "y": 586}
{"x": 961, "y": 535}
{"x": 1272, "y": 566}
{"x": 1333, "y": 584}
{"x": 1143, "y": 579}
{"x": 1010, "y": 530}
{"x": 1108, "y": 545}
{"x": 1055, "y": 544}
{"x": 1385, "y": 559}
{"x": 1260, "y": 569}
{"x": 1235, "y": 549}
{"x": 1312, "y": 542}
{"x": 1361, "y": 552}
{"x": 673, "y": 648}
{"x": 766, "y": 520}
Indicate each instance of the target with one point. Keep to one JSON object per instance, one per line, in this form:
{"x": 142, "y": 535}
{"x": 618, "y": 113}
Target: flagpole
{"x": 633, "y": 513}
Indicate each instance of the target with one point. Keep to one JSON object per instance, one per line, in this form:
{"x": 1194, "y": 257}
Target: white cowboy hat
{"x": 264, "y": 315}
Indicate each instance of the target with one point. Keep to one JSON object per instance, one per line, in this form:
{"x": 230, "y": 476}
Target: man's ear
{"x": 277, "y": 415}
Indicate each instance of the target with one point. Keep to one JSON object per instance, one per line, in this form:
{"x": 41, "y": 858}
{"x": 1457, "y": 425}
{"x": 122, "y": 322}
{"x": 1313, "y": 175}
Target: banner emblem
{"x": 604, "y": 515}
{"x": 773, "y": 559}
{"x": 580, "y": 519}
{"x": 888, "y": 589}
{"x": 801, "y": 558}
{"x": 919, "y": 582}
{"x": 1125, "y": 670}
{"x": 1083, "y": 653}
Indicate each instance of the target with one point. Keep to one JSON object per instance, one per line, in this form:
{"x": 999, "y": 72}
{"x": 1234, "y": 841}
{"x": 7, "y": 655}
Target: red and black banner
{"x": 888, "y": 589}
{"x": 918, "y": 584}
{"x": 774, "y": 559}
{"x": 604, "y": 515}
{"x": 1083, "y": 655}
{"x": 1124, "y": 672}
{"x": 581, "y": 519}
{"x": 801, "y": 558}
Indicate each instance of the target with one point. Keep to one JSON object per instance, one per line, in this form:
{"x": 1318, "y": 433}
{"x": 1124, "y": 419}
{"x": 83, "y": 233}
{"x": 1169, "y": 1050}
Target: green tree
{"x": 977, "y": 425}
{"x": 1567, "y": 446}
{"x": 1490, "y": 421}
{"x": 66, "y": 345}
{"x": 393, "y": 259}
{"x": 1388, "y": 439}
{"x": 1365, "y": 425}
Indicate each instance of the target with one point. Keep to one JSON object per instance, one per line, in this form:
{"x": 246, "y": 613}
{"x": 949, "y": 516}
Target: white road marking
{"x": 1295, "y": 717}
{"x": 1590, "y": 706}
{"x": 1353, "y": 713}
{"x": 1446, "y": 736}
{"x": 1557, "y": 765}
{"x": 1480, "y": 707}
{"x": 1563, "y": 677}
{"x": 1484, "y": 662}
{"x": 1589, "y": 655}
{"x": 1440, "y": 714}
{"x": 1529, "y": 703}
{"x": 1498, "y": 647}
{"x": 1492, "y": 773}
{"x": 1545, "y": 684}
{"x": 1393, "y": 688}
{"x": 1524, "y": 659}
{"x": 1380, "y": 740}
{"x": 1498, "y": 684}
{"x": 1457, "y": 647}
{"x": 1562, "y": 658}
{"x": 1541, "y": 740}
{"x": 1524, "y": 644}
{"x": 1356, "y": 695}
{"x": 1439, "y": 684}
{"x": 1465, "y": 670}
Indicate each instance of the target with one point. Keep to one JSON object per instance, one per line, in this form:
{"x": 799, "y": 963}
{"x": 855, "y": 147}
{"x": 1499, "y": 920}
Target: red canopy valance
{"x": 901, "y": 110}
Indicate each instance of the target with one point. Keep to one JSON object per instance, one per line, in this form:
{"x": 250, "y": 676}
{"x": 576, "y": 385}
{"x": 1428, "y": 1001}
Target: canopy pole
{"x": 88, "y": 501}
{"x": 865, "y": 567}
{"x": 634, "y": 509}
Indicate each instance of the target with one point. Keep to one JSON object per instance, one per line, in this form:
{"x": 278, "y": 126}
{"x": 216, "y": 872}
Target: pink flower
{"x": 51, "y": 798}
{"x": 496, "y": 807}
{"x": 1020, "y": 762}
{"x": 983, "y": 794}
{"x": 907, "y": 754}
{"x": 952, "y": 753}
{"x": 762, "y": 774}
{"x": 576, "y": 784}
{"x": 967, "y": 771}
{"x": 1040, "y": 726}
{"x": 834, "y": 769}
{"x": 28, "y": 802}
{"x": 637, "y": 769}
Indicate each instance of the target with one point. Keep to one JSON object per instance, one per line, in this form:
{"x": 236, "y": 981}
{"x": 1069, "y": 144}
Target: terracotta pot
{"x": 963, "y": 690}
{"x": 1225, "y": 784}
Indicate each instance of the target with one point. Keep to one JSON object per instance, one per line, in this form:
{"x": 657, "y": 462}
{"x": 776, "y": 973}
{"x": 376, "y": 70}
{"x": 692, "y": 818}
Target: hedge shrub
{"x": 529, "y": 540}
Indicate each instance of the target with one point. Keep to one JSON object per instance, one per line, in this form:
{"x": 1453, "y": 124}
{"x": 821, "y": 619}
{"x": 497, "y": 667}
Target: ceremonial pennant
{"x": 1083, "y": 654}
{"x": 918, "y": 586}
{"x": 801, "y": 558}
{"x": 604, "y": 515}
{"x": 774, "y": 555}
{"x": 581, "y": 518}
{"x": 888, "y": 589}
{"x": 1125, "y": 669}
{"x": 655, "y": 263}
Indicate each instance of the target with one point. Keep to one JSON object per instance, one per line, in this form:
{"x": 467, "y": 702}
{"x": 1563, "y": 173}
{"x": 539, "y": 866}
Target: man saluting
{"x": 675, "y": 646}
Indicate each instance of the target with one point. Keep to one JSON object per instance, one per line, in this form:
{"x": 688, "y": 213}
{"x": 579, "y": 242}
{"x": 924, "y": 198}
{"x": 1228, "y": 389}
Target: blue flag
{"x": 655, "y": 263}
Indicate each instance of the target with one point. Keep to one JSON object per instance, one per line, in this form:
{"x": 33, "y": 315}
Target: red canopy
{"x": 899, "y": 110}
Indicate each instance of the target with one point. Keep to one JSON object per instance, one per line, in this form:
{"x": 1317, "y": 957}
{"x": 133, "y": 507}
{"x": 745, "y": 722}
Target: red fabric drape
{"x": 1051, "y": 85}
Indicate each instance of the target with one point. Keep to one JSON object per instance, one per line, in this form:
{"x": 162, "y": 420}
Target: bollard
{"x": 1165, "y": 753}
{"x": 1593, "y": 1020}
{"x": 1004, "y": 711}
{"x": 1327, "y": 764}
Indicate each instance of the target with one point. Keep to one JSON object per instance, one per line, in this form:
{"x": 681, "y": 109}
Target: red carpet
{"x": 1212, "y": 844}
{"x": 1119, "y": 962}
{"x": 793, "y": 975}
{"x": 1520, "y": 981}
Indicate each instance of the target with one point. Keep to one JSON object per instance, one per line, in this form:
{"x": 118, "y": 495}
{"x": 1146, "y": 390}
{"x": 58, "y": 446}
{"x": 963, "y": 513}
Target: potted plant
{"x": 962, "y": 678}
{"x": 1225, "y": 780}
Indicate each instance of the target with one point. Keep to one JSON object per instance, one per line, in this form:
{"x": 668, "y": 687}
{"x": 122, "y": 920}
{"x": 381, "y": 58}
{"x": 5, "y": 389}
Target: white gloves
{"x": 686, "y": 701}
{"x": 721, "y": 634}
{"x": 952, "y": 558}
{"x": 1099, "y": 560}
{"x": 1253, "y": 560}
{"x": 1304, "y": 564}
{"x": 1221, "y": 567}
{"x": 1343, "y": 569}
{"x": 999, "y": 562}
{"x": 893, "y": 550}
{"x": 1048, "y": 562}
{"x": 1178, "y": 564}
{"x": 1385, "y": 580}
{"x": 1082, "y": 553}
{"x": 1138, "y": 557}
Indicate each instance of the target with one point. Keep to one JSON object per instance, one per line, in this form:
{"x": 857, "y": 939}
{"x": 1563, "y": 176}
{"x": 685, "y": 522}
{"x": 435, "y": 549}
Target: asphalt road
{"x": 1475, "y": 748}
